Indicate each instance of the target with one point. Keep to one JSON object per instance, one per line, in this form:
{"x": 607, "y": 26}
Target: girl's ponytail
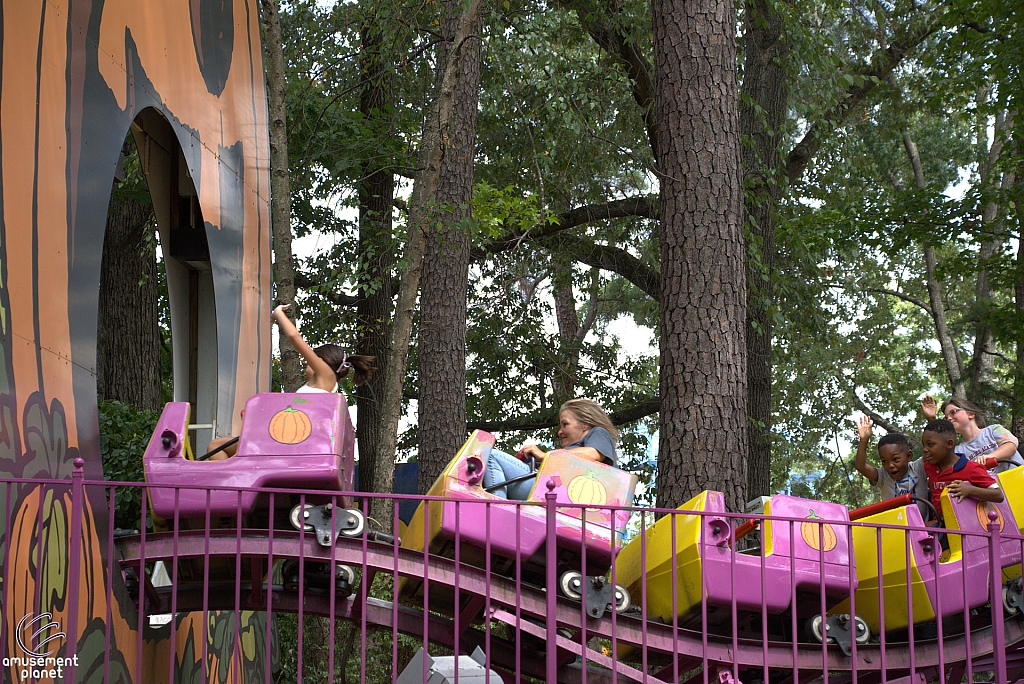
{"x": 363, "y": 366}
{"x": 340, "y": 362}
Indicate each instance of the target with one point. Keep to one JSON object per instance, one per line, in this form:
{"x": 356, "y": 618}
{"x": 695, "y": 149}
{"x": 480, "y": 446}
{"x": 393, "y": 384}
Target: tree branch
{"x": 950, "y": 353}
{"x": 633, "y": 413}
{"x": 643, "y": 207}
{"x": 612, "y": 259}
{"x": 880, "y": 421}
{"x": 592, "y": 305}
{"x": 638, "y": 69}
{"x": 905, "y": 297}
{"x": 882, "y": 63}
{"x": 549, "y": 419}
{"x": 337, "y": 298}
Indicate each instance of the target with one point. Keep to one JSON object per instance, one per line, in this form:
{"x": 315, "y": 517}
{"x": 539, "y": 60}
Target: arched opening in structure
{"x": 190, "y": 309}
{"x": 186, "y": 260}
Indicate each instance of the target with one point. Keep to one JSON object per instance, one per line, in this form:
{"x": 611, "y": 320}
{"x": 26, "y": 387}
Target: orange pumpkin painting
{"x": 820, "y": 536}
{"x": 290, "y": 426}
{"x": 983, "y": 509}
{"x": 587, "y": 489}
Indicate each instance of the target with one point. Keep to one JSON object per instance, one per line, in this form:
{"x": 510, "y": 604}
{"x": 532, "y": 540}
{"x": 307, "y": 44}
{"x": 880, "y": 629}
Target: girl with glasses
{"x": 993, "y": 446}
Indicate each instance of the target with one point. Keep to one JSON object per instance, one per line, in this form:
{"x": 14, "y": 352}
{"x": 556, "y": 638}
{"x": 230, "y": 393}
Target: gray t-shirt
{"x": 600, "y": 439}
{"x": 987, "y": 441}
{"x": 914, "y": 482}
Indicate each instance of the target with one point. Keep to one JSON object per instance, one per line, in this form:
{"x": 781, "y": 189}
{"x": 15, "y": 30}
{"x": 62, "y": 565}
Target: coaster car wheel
{"x": 347, "y": 574}
{"x": 1013, "y": 596}
{"x": 354, "y": 517}
{"x": 571, "y": 584}
{"x": 816, "y": 628}
{"x": 298, "y": 515}
{"x": 863, "y": 633}
{"x": 290, "y": 574}
{"x": 622, "y": 599}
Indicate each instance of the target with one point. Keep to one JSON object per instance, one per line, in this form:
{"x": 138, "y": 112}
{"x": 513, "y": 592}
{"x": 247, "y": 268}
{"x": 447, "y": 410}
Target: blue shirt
{"x": 600, "y": 439}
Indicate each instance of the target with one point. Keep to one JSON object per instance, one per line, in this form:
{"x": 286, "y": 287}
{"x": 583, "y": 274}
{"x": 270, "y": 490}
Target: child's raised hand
{"x": 929, "y": 407}
{"x": 281, "y": 311}
{"x": 864, "y": 428}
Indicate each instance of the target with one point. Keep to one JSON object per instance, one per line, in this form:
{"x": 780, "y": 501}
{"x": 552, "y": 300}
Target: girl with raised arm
{"x": 325, "y": 367}
{"x": 993, "y": 446}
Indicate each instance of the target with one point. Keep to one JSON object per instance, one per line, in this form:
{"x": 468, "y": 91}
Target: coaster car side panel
{"x": 518, "y": 529}
{"x": 894, "y": 569}
{"x": 579, "y": 481}
{"x": 706, "y": 564}
{"x": 288, "y": 440}
{"x": 821, "y": 546}
{"x": 1012, "y": 483}
{"x": 963, "y": 577}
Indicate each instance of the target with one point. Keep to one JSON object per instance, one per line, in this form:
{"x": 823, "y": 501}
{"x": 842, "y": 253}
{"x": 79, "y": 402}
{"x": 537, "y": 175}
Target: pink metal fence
{"x": 515, "y": 608}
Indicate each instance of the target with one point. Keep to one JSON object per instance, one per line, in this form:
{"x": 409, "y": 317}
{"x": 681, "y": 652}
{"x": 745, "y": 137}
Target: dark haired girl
{"x": 325, "y": 367}
{"x": 327, "y": 364}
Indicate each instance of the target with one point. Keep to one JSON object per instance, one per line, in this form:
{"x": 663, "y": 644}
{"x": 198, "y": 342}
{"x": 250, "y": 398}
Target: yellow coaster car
{"x": 904, "y": 577}
{"x": 806, "y": 555}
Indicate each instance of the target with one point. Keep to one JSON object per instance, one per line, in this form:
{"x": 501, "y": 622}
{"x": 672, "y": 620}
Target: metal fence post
{"x": 75, "y": 569}
{"x": 552, "y": 584}
{"x": 996, "y": 599}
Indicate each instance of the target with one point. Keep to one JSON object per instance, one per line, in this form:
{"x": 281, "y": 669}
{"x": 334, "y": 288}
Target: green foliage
{"x": 853, "y": 311}
{"x": 134, "y": 184}
{"x": 124, "y": 434}
{"x": 498, "y": 212}
{"x": 559, "y": 128}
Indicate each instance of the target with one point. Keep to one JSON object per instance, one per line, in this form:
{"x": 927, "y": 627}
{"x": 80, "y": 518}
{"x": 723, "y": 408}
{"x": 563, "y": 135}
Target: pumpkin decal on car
{"x": 820, "y": 536}
{"x": 983, "y": 508}
{"x": 290, "y": 426}
{"x": 587, "y": 489}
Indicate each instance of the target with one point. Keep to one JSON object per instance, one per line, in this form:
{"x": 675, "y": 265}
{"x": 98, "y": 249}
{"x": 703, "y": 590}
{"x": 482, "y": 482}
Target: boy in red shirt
{"x": 946, "y": 469}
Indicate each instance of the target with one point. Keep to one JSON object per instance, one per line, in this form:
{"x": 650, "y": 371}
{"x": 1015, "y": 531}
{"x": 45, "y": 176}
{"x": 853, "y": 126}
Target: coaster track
{"x": 524, "y": 608}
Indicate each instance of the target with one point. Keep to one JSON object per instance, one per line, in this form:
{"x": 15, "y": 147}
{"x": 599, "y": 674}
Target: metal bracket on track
{"x": 598, "y": 594}
{"x": 347, "y": 521}
{"x": 840, "y": 629}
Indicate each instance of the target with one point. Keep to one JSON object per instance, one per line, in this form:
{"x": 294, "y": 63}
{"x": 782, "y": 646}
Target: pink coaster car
{"x": 300, "y": 441}
{"x": 479, "y": 521}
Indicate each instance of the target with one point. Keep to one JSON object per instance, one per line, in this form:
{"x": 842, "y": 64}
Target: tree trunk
{"x": 983, "y": 360}
{"x": 281, "y": 230}
{"x": 280, "y": 192}
{"x": 703, "y": 377}
{"x": 762, "y": 115}
{"x": 128, "y": 335}
{"x": 954, "y": 367}
{"x": 950, "y": 355}
{"x": 571, "y": 333}
{"x": 563, "y": 382}
{"x": 1018, "y": 305}
{"x": 436, "y": 130}
{"x": 443, "y": 297}
{"x": 376, "y": 248}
